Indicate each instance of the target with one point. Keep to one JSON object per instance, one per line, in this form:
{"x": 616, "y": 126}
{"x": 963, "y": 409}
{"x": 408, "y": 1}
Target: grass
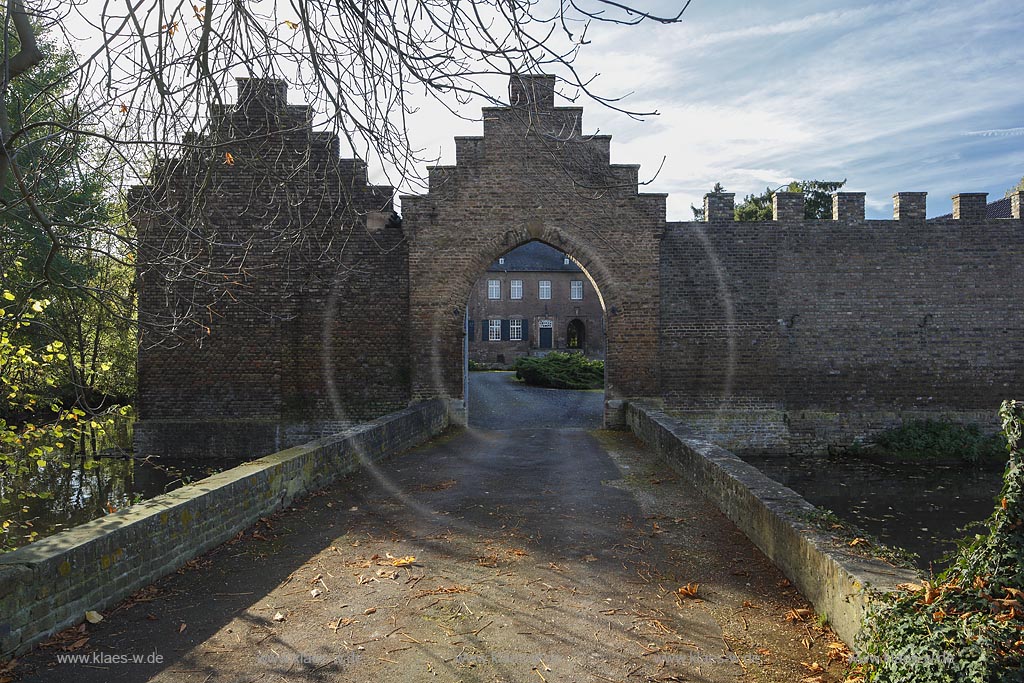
{"x": 925, "y": 440}
{"x": 561, "y": 371}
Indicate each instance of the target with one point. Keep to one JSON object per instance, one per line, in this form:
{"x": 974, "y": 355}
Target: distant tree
{"x": 758, "y": 207}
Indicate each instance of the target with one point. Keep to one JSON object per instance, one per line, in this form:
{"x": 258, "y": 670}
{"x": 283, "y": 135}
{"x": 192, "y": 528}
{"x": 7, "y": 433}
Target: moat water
{"x": 919, "y": 507}
{"x": 89, "y": 481}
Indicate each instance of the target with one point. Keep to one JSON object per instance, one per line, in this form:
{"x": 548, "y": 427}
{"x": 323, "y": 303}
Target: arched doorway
{"x": 534, "y": 175}
{"x": 576, "y": 335}
{"x": 529, "y": 302}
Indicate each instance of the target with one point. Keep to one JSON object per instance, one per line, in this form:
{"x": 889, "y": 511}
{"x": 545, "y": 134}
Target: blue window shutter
{"x": 505, "y": 330}
{"x": 471, "y": 331}
{"x": 526, "y": 330}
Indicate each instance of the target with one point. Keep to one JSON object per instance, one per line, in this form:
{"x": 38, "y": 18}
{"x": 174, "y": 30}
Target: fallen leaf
{"x": 859, "y": 541}
{"x": 688, "y": 591}
{"x": 813, "y": 667}
{"x": 93, "y": 617}
{"x": 589, "y": 558}
{"x": 278, "y": 617}
{"x": 315, "y": 592}
{"x": 406, "y": 561}
{"x": 182, "y": 627}
{"x": 77, "y": 645}
{"x": 229, "y": 158}
{"x": 798, "y": 614}
{"x": 369, "y": 610}
{"x": 912, "y": 587}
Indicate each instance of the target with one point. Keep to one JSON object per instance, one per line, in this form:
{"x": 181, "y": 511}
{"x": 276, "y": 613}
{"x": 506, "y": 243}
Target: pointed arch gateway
{"x": 534, "y": 175}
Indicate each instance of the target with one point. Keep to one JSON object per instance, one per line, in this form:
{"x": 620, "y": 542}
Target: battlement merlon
{"x": 536, "y": 91}
{"x": 720, "y": 207}
{"x": 909, "y": 206}
{"x": 788, "y": 206}
{"x": 971, "y": 206}
{"x": 1017, "y": 205}
{"x": 848, "y": 206}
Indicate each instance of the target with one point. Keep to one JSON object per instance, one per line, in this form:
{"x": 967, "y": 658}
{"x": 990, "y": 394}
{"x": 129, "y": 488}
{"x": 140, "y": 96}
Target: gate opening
{"x": 534, "y": 343}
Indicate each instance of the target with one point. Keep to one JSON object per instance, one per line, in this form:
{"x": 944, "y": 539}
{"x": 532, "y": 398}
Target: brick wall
{"x": 787, "y": 333}
{"x": 560, "y": 309}
{"x": 846, "y": 326}
{"x": 306, "y": 318}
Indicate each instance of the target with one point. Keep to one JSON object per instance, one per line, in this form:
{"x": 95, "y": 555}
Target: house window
{"x": 516, "y": 291}
{"x": 545, "y": 289}
{"x": 494, "y": 289}
{"x": 501, "y": 261}
{"x": 516, "y": 333}
{"x": 565, "y": 261}
{"x": 576, "y": 289}
{"x": 494, "y": 330}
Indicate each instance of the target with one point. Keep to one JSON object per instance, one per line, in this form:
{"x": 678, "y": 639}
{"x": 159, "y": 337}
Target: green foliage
{"x": 78, "y": 264}
{"x": 475, "y": 367}
{"x": 35, "y": 428}
{"x": 935, "y": 440}
{"x": 561, "y": 371}
{"x": 967, "y": 624}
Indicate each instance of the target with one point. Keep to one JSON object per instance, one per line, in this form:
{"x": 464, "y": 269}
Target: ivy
{"x": 968, "y": 623}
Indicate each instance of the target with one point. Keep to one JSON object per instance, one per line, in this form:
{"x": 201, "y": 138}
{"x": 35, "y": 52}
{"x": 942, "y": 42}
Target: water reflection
{"x": 97, "y": 477}
{"x": 918, "y": 507}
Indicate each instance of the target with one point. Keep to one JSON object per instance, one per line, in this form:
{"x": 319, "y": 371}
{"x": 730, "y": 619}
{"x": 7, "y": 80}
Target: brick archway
{"x": 534, "y": 176}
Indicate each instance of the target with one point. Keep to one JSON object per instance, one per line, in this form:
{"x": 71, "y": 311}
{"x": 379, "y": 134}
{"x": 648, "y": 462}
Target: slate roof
{"x": 997, "y": 209}
{"x": 534, "y": 257}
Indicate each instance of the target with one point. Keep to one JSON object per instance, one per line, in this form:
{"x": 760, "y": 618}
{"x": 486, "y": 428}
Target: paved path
{"x": 498, "y": 401}
{"x": 540, "y": 555}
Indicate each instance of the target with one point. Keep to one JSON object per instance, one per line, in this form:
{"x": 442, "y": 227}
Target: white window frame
{"x": 515, "y": 329}
{"x": 494, "y": 289}
{"x": 576, "y": 290}
{"x": 515, "y": 289}
{"x": 565, "y": 260}
{"x": 494, "y": 330}
{"x": 501, "y": 261}
{"x": 544, "y": 289}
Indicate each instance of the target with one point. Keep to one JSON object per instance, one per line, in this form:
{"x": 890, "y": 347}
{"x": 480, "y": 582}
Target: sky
{"x": 895, "y": 96}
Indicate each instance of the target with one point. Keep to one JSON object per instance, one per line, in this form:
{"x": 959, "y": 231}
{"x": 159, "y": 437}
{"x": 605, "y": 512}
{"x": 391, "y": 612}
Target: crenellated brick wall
{"x": 831, "y": 329}
{"x": 788, "y": 334}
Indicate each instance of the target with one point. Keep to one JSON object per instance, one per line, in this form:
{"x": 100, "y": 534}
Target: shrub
{"x": 966, "y": 625}
{"x": 561, "y": 371}
{"x": 932, "y": 439}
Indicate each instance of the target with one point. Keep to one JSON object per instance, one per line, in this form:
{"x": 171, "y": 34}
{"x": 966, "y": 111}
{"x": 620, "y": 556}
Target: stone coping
{"x": 837, "y": 581}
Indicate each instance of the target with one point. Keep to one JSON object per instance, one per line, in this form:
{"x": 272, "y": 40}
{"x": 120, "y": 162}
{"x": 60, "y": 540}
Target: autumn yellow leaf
{"x": 93, "y": 617}
{"x": 229, "y": 159}
{"x": 124, "y": 108}
{"x": 290, "y": 24}
{"x": 199, "y": 11}
{"x": 171, "y": 28}
{"x": 406, "y": 561}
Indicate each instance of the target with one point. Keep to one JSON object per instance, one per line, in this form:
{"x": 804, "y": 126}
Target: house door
{"x": 546, "y": 328}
